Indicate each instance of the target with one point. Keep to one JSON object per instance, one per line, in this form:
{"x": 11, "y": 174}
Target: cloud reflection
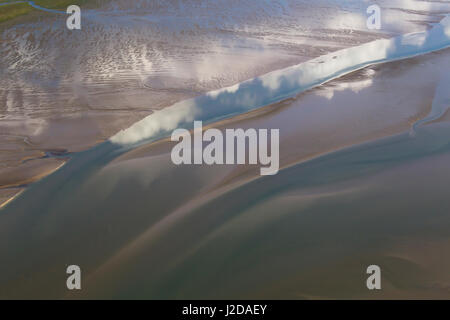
{"x": 281, "y": 84}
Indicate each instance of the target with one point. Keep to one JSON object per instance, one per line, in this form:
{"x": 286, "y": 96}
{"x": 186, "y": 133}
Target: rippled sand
{"x": 70, "y": 90}
{"x": 357, "y": 187}
{"x": 308, "y": 232}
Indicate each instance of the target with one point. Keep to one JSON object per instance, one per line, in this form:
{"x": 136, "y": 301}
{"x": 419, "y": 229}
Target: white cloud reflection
{"x": 281, "y": 84}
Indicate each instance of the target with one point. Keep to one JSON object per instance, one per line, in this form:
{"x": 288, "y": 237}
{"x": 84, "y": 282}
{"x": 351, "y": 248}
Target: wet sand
{"x": 342, "y": 113}
{"x": 356, "y": 189}
{"x": 117, "y": 71}
{"x": 35, "y": 148}
{"x": 307, "y": 232}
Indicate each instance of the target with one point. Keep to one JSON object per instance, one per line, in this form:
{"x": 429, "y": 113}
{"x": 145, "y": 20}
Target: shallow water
{"x": 171, "y": 231}
{"x": 144, "y": 228}
{"x": 71, "y": 89}
{"x": 156, "y": 226}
